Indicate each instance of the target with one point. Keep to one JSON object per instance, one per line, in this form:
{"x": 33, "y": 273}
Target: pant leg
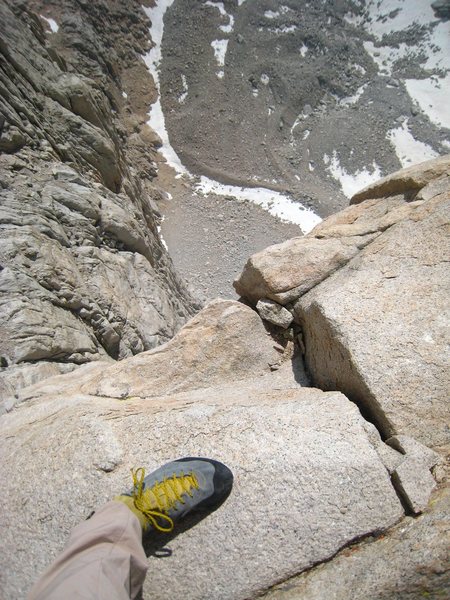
{"x": 103, "y": 560}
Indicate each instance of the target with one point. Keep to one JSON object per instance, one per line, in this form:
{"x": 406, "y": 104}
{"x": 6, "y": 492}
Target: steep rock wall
{"x": 84, "y": 275}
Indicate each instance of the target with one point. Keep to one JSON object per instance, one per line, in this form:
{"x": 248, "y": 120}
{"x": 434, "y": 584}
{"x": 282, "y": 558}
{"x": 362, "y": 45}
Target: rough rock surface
{"x": 412, "y": 477}
{"x": 411, "y": 563}
{"x": 297, "y": 448}
{"x": 274, "y": 313}
{"x": 377, "y": 328}
{"x": 284, "y": 272}
{"x": 84, "y": 273}
{"x": 374, "y": 322}
{"x": 86, "y": 279}
{"x": 406, "y": 180}
{"x": 225, "y": 342}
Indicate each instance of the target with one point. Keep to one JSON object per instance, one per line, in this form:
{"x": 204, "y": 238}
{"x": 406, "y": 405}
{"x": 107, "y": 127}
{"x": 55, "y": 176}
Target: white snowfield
{"x": 433, "y": 97}
{"x": 275, "y": 203}
{"x": 432, "y": 94}
{"x": 387, "y": 16}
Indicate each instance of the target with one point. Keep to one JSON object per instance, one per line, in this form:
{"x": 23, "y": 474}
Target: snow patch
{"x": 409, "y": 150}
{"x": 297, "y": 122}
{"x": 275, "y": 203}
{"x": 359, "y": 69}
{"x": 51, "y": 23}
{"x": 383, "y": 17}
{"x": 270, "y": 14}
{"x": 349, "y": 100}
{"x": 221, "y": 8}
{"x": 219, "y": 5}
{"x": 351, "y": 184}
{"x": 152, "y": 60}
{"x": 433, "y": 97}
{"x": 220, "y": 50}
{"x": 303, "y": 50}
{"x": 163, "y": 241}
{"x": 157, "y": 123}
{"x": 264, "y": 79}
{"x": 125, "y": 95}
{"x": 283, "y": 29}
{"x": 182, "y": 97}
{"x": 156, "y": 16}
{"x": 385, "y": 57}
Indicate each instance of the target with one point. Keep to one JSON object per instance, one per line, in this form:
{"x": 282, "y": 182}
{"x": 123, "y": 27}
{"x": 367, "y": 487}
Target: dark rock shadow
{"x": 155, "y": 542}
{"x": 299, "y": 369}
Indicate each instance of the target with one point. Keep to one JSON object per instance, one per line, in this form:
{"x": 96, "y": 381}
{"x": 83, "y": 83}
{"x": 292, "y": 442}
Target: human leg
{"x": 104, "y": 557}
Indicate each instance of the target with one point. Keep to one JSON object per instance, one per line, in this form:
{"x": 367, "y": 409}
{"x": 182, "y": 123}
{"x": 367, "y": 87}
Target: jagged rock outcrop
{"x": 84, "y": 275}
{"x": 308, "y": 476}
{"x": 373, "y": 320}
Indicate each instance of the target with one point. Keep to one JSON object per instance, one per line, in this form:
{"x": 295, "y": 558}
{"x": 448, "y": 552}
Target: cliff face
{"x": 85, "y": 278}
{"x": 314, "y": 469}
{"x": 84, "y": 273}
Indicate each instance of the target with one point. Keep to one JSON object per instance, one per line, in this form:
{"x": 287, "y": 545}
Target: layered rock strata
{"x": 84, "y": 275}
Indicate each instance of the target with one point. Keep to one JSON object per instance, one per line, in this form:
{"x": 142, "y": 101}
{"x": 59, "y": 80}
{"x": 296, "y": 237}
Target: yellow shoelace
{"x": 156, "y": 501}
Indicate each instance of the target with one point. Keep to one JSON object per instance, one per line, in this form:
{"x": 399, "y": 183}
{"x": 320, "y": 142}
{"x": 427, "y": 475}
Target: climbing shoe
{"x": 161, "y": 499}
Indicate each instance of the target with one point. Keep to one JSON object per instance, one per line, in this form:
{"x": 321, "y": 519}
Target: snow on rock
{"x": 51, "y": 23}
{"x": 409, "y": 150}
{"x": 433, "y": 97}
{"x": 283, "y": 29}
{"x": 152, "y": 60}
{"x": 383, "y": 17}
{"x": 351, "y": 184}
{"x": 220, "y": 50}
{"x": 349, "y": 100}
{"x": 275, "y": 203}
{"x": 221, "y": 8}
{"x": 385, "y": 56}
{"x": 184, "y": 93}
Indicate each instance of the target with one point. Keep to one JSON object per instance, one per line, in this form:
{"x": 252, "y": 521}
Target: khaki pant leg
{"x": 103, "y": 560}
